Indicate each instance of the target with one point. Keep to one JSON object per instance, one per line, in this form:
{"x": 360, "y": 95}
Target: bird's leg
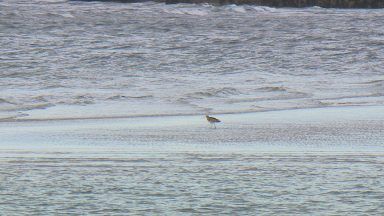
{"x": 214, "y": 125}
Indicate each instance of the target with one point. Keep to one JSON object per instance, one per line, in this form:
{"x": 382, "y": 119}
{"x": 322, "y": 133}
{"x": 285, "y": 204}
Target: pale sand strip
{"x": 352, "y": 130}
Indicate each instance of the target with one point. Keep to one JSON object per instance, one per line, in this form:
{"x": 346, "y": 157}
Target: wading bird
{"x": 212, "y": 120}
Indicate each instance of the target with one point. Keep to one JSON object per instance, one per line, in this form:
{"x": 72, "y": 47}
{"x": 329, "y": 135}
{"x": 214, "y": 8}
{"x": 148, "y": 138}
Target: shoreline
{"x": 351, "y": 130}
{"x": 346, "y": 4}
{"x": 28, "y": 118}
{"x": 335, "y": 155}
{"x": 340, "y": 4}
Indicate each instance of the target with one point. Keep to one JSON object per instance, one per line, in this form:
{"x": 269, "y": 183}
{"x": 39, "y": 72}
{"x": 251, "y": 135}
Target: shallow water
{"x": 295, "y": 162}
{"x": 63, "y": 59}
{"x": 191, "y": 183}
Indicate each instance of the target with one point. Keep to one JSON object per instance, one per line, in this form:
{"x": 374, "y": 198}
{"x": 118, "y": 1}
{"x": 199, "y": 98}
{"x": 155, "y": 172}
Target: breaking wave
{"x": 153, "y": 58}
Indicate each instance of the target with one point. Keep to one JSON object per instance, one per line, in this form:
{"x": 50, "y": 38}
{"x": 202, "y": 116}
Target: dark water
{"x": 73, "y": 59}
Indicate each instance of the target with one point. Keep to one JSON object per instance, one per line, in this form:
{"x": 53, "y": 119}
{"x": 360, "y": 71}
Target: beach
{"x": 103, "y": 104}
{"x": 305, "y": 161}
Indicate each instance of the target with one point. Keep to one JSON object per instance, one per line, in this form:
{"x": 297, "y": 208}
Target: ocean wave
{"x": 289, "y": 96}
{"x": 136, "y": 55}
{"x": 122, "y": 97}
{"x": 81, "y": 100}
{"x": 272, "y": 89}
{"x": 236, "y": 8}
{"x": 375, "y": 82}
{"x": 38, "y": 106}
{"x": 51, "y": 1}
{"x": 264, "y": 9}
{"x": 64, "y": 15}
{"x": 204, "y": 10}
{"x": 214, "y": 92}
{"x": 187, "y": 11}
{"x": 354, "y": 98}
{"x": 25, "y": 107}
{"x": 4, "y": 101}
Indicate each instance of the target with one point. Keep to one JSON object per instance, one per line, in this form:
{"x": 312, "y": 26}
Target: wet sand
{"x": 312, "y": 161}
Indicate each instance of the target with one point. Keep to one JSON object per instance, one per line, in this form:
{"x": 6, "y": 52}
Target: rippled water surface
{"x": 64, "y": 59}
{"x": 124, "y": 183}
{"x": 295, "y": 162}
{"x": 73, "y": 59}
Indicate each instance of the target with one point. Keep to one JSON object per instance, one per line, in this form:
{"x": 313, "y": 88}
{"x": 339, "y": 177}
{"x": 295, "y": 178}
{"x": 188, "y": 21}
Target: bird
{"x": 212, "y": 120}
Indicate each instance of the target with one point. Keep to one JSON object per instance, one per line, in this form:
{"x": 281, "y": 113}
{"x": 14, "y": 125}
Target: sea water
{"x": 72, "y": 59}
{"x": 296, "y": 162}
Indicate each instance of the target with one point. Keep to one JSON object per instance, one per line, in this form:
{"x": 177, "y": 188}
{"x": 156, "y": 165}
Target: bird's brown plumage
{"x": 212, "y": 119}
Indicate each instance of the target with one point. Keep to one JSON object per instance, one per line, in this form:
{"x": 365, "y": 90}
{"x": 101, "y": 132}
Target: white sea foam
{"x": 184, "y": 58}
{"x": 195, "y": 11}
{"x": 236, "y": 8}
{"x": 264, "y": 9}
